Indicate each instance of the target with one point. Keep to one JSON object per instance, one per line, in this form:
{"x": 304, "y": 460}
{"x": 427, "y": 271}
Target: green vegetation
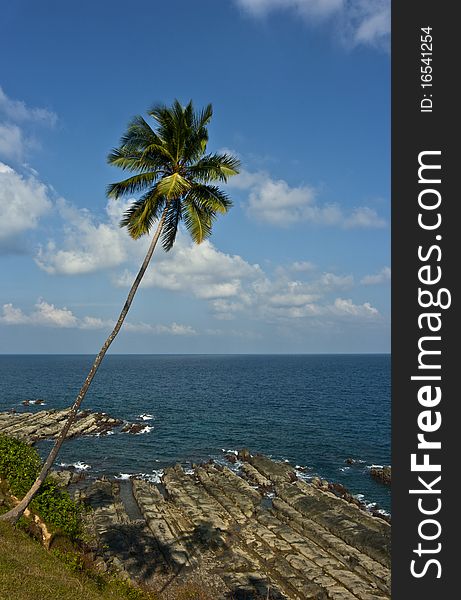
{"x": 29, "y": 572}
{"x": 19, "y": 466}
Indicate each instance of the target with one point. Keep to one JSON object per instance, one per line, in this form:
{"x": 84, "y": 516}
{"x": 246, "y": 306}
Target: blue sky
{"x": 300, "y": 91}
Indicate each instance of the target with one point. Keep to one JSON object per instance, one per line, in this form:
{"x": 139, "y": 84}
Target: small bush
{"x": 57, "y": 508}
{"x": 19, "y": 465}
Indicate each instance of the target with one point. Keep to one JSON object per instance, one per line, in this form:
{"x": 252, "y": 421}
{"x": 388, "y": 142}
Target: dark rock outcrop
{"x": 382, "y": 474}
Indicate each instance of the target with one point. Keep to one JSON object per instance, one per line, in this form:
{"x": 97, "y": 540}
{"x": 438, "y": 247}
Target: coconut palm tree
{"x": 175, "y": 178}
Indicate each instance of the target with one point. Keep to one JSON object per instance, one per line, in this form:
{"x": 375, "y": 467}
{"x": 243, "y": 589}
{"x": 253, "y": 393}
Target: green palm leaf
{"x": 173, "y": 186}
{"x": 198, "y": 220}
{"x": 210, "y": 197}
{"x": 142, "y": 213}
{"x": 132, "y": 185}
{"x": 172, "y": 170}
{"x": 215, "y": 167}
{"x": 170, "y": 228}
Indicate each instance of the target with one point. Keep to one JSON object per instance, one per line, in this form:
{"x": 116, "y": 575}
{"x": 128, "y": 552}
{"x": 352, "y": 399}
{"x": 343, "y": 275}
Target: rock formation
{"x": 261, "y": 533}
{"x": 47, "y": 424}
{"x": 382, "y": 474}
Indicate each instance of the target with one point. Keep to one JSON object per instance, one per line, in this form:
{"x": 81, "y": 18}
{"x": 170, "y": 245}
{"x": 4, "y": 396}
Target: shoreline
{"x": 245, "y": 534}
{"x": 250, "y": 528}
{"x": 43, "y": 425}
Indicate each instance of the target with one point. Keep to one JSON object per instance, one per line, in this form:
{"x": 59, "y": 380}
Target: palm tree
{"x": 175, "y": 177}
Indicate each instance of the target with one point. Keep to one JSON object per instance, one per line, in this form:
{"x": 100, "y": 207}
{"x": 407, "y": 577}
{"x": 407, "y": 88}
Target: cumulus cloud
{"x": 200, "y": 269}
{"x": 367, "y": 22}
{"x": 363, "y": 217}
{"x": 231, "y": 286}
{"x": 23, "y": 200}
{"x": 18, "y": 111}
{"x": 89, "y": 245}
{"x": 300, "y": 266}
{"x": 44, "y": 314}
{"x": 348, "y": 308}
{"x": 360, "y": 21}
{"x": 12, "y": 142}
{"x": 16, "y": 115}
{"x": 382, "y": 276}
{"x": 286, "y": 298}
{"x": 173, "y": 329}
{"x": 277, "y": 203}
{"x": 235, "y": 288}
{"x": 48, "y": 315}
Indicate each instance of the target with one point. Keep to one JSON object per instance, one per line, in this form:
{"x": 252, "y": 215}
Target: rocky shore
{"x": 259, "y": 533}
{"x": 253, "y": 531}
{"x": 46, "y": 424}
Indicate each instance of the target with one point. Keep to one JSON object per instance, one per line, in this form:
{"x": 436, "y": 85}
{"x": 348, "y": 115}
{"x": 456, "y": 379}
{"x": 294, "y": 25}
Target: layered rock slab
{"x": 259, "y": 533}
{"x": 47, "y": 424}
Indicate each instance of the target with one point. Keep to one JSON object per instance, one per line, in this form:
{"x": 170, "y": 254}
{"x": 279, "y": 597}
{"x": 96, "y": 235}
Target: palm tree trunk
{"x": 15, "y": 513}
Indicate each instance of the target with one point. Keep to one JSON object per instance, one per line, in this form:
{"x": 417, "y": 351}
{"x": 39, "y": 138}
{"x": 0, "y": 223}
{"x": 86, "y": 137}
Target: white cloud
{"x": 330, "y": 281}
{"x": 173, "y": 329}
{"x": 48, "y": 315}
{"x": 18, "y": 111}
{"x": 285, "y": 298}
{"x": 12, "y": 142}
{"x": 343, "y": 307}
{"x": 359, "y": 21}
{"x": 306, "y": 8}
{"x": 23, "y": 200}
{"x": 95, "y": 323}
{"x": 89, "y": 245}
{"x": 302, "y": 266}
{"x": 235, "y": 288}
{"x": 363, "y": 217}
{"x": 44, "y": 314}
{"x": 368, "y": 22}
{"x": 231, "y": 286}
{"x": 277, "y": 203}
{"x": 200, "y": 269}
{"x": 382, "y": 276}
{"x": 13, "y": 316}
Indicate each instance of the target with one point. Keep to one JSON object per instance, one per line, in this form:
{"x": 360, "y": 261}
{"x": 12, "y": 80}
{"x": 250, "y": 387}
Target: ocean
{"x": 316, "y": 411}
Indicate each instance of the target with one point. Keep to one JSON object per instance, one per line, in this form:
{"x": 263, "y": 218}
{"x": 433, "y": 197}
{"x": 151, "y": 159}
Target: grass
{"x": 29, "y": 572}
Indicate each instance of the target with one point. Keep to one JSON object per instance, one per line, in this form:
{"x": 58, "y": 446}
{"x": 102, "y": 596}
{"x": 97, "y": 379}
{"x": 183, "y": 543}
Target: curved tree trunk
{"x": 15, "y": 513}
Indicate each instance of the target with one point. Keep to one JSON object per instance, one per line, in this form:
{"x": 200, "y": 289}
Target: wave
{"x": 145, "y": 417}
{"x": 145, "y": 429}
{"x": 78, "y": 466}
{"x": 39, "y": 402}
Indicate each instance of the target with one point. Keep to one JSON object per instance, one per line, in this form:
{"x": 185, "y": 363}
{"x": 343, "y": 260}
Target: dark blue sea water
{"x": 313, "y": 410}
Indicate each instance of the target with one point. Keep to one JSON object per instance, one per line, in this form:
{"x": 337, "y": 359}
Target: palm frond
{"x": 143, "y": 213}
{"x": 132, "y": 160}
{"x": 173, "y": 186}
{"x": 214, "y": 167}
{"x": 158, "y": 152}
{"x": 210, "y": 198}
{"x": 198, "y": 220}
{"x": 134, "y": 184}
{"x": 202, "y": 118}
{"x": 166, "y": 127}
{"x": 170, "y": 227}
{"x": 139, "y": 133}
